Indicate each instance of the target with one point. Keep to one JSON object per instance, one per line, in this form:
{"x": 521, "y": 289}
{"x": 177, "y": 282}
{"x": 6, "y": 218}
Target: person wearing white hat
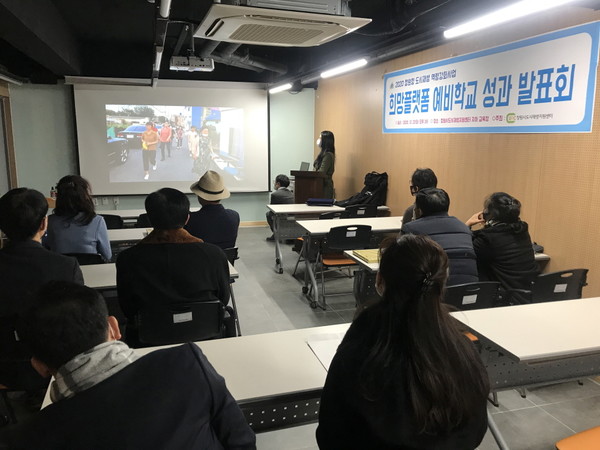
{"x": 213, "y": 223}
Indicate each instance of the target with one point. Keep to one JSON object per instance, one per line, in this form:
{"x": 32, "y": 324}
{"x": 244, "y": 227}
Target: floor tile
{"x": 510, "y": 401}
{"x": 561, "y": 392}
{"x": 579, "y": 414}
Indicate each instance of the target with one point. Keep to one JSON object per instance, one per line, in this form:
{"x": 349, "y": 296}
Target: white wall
{"x": 45, "y": 144}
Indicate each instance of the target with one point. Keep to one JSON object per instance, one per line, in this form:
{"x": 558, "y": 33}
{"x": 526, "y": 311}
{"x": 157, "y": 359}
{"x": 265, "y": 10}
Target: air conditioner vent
{"x": 259, "y": 26}
{"x": 266, "y": 34}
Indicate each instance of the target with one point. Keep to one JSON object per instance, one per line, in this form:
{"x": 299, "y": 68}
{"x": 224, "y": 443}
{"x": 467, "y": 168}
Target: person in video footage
{"x": 203, "y": 162}
{"x": 165, "y": 136}
{"x": 194, "y": 145}
{"x": 150, "y": 140}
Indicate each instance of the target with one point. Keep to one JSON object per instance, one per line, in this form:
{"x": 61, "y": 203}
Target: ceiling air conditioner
{"x": 274, "y": 27}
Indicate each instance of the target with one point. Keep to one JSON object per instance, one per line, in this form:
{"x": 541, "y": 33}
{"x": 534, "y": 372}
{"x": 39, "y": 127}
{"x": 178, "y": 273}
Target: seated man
{"x": 421, "y": 179}
{"x": 280, "y": 196}
{"x": 432, "y": 219}
{"x": 25, "y": 266}
{"x": 213, "y": 223}
{"x": 169, "y": 265}
{"x": 106, "y": 396}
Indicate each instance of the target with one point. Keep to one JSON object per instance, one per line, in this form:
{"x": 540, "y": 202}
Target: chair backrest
{"x": 86, "y": 259}
{"x": 349, "y": 237}
{"x": 15, "y": 361}
{"x": 352, "y": 212}
{"x": 332, "y": 215}
{"x": 113, "y": 222}
{"x": 181, "y": 322}
{"x": 472, "y": 295}
{"x": 563, "y": 285}
{"x": 232, "y": 255}
{"x": 143, "y": 221}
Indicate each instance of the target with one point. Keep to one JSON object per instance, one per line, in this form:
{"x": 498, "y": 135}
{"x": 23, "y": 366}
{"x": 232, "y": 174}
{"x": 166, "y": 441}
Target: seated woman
{"x": 74, "y": 227}
{"x": 404, "y": 376}
{"x": 503, "y": 246}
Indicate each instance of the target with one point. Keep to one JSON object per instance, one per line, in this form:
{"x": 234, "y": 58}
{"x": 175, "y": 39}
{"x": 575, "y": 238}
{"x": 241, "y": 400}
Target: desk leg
{"x": 309, "y": 273}
{"x": 496, "y": 433}
{"x": 235, "y": 311}
{"x": 276, "y": 235}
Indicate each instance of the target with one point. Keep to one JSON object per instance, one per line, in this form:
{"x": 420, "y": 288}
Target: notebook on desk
{"x": 369, "y": 256}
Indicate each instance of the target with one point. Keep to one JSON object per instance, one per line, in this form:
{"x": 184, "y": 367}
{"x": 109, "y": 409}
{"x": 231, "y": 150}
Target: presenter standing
{"x": 325, "y": 162}
{"x": 149, "y": 142}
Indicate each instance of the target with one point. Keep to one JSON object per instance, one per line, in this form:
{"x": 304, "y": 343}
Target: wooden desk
{"x": 318, "y": 228}
{"x": 285, "y": 225}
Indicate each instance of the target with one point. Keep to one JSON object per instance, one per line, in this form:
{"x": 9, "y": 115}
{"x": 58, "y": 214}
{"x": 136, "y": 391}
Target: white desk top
{"x": 540, "y": 331}
{"x": 128, "y": 234}
{"x": 104, "y": 276}
{"x": 302, "y": 208}
{"x": 268, "y": 364}
{"x": 130, "y": 213}
{"x": 264, "y": 365}
{"x": 374, "y": 267}
{"x": 378, "y": 224}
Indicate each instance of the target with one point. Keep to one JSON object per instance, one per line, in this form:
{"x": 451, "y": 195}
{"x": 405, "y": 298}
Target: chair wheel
{"x": 304, "y": 290}
{"x": 313, "y": 305}
{"x": 280, "y": 271}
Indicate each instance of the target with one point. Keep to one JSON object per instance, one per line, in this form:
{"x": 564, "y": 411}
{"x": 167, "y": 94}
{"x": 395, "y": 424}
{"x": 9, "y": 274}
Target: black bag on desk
{"x": 374, "y": 192}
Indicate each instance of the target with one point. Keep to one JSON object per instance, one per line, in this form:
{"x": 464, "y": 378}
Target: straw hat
{"x": 210, "y": 187}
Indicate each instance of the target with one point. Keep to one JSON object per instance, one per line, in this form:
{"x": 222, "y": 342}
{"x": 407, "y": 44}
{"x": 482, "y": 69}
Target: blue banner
{"x": 544, "y": 84}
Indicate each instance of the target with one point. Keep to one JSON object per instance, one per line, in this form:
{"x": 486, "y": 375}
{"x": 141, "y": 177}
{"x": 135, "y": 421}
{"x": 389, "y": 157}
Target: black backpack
{"x": 374, "y": 192}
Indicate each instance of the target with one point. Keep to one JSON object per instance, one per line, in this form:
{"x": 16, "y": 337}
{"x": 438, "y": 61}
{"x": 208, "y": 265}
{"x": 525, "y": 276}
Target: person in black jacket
{"x": 404, "y": 376}
{"x": 431, "y": 212}
{"x": 106, "y": 396}
{"x": 421, "y": 179}
{"x": 503, "y": 246}
{"x": 169, "y": 265}
{"x": 25, "y": 266}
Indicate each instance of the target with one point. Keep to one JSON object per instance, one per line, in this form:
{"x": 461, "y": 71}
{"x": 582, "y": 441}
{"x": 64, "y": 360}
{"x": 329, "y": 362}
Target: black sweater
{"x": 348, "y": 421}
{"x": 505, "y": 254}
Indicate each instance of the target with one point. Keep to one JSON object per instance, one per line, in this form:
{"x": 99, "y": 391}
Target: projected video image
{"x": 173, "y": 143}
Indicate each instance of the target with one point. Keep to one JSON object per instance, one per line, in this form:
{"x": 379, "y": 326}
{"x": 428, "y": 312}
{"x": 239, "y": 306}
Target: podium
{"x": 308, "y": 184}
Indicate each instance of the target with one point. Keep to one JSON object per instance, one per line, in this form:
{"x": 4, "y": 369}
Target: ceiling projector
{"x": 192, "y": 64}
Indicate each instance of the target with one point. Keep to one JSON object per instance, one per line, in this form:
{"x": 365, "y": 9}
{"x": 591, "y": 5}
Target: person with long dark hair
{"x": 75, "y": 227}
{"x": 325, "y": 161}
{"x": 404, "y": 376}
{"x": 503, "y": 246}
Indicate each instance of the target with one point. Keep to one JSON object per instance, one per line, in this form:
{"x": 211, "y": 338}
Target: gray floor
{"x": 269, "y": 302}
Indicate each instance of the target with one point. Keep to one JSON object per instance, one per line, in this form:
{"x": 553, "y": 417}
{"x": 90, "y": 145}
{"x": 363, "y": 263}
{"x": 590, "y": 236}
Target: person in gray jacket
{"x": 281, "y": 195}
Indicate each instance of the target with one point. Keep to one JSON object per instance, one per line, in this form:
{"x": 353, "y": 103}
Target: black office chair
{"x": 331, "y": 251}
{"x": 300, "y": 248}
{"x": 113, "y": 222}
{"x": 16, "y": 372}
{"x": 550, "y": 287}
{"x": 143, "y": 221}
{"x": 232, "y": 255}
{"x": 358, "y": 211}
{"x": 181, "y": 322}
{"x": 86, "y": 259}
{"x": 472, "y": 295}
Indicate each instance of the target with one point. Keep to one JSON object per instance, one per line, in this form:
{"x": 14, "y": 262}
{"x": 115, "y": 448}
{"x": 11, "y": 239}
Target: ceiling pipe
{"x": 230, "y": 49}
{"x": 261, "y": 63}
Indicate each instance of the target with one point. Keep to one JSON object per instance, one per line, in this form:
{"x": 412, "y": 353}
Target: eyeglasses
{"x": 413, "y": 190}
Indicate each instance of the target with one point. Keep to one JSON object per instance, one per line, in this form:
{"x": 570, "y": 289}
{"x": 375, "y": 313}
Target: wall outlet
{"x": 105, "y": 200}
{"x": 95, "y": 200}
{"x": 116, "y": 201}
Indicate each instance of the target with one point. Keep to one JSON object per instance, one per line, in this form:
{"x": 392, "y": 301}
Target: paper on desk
{"x": 324, "y": 346}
